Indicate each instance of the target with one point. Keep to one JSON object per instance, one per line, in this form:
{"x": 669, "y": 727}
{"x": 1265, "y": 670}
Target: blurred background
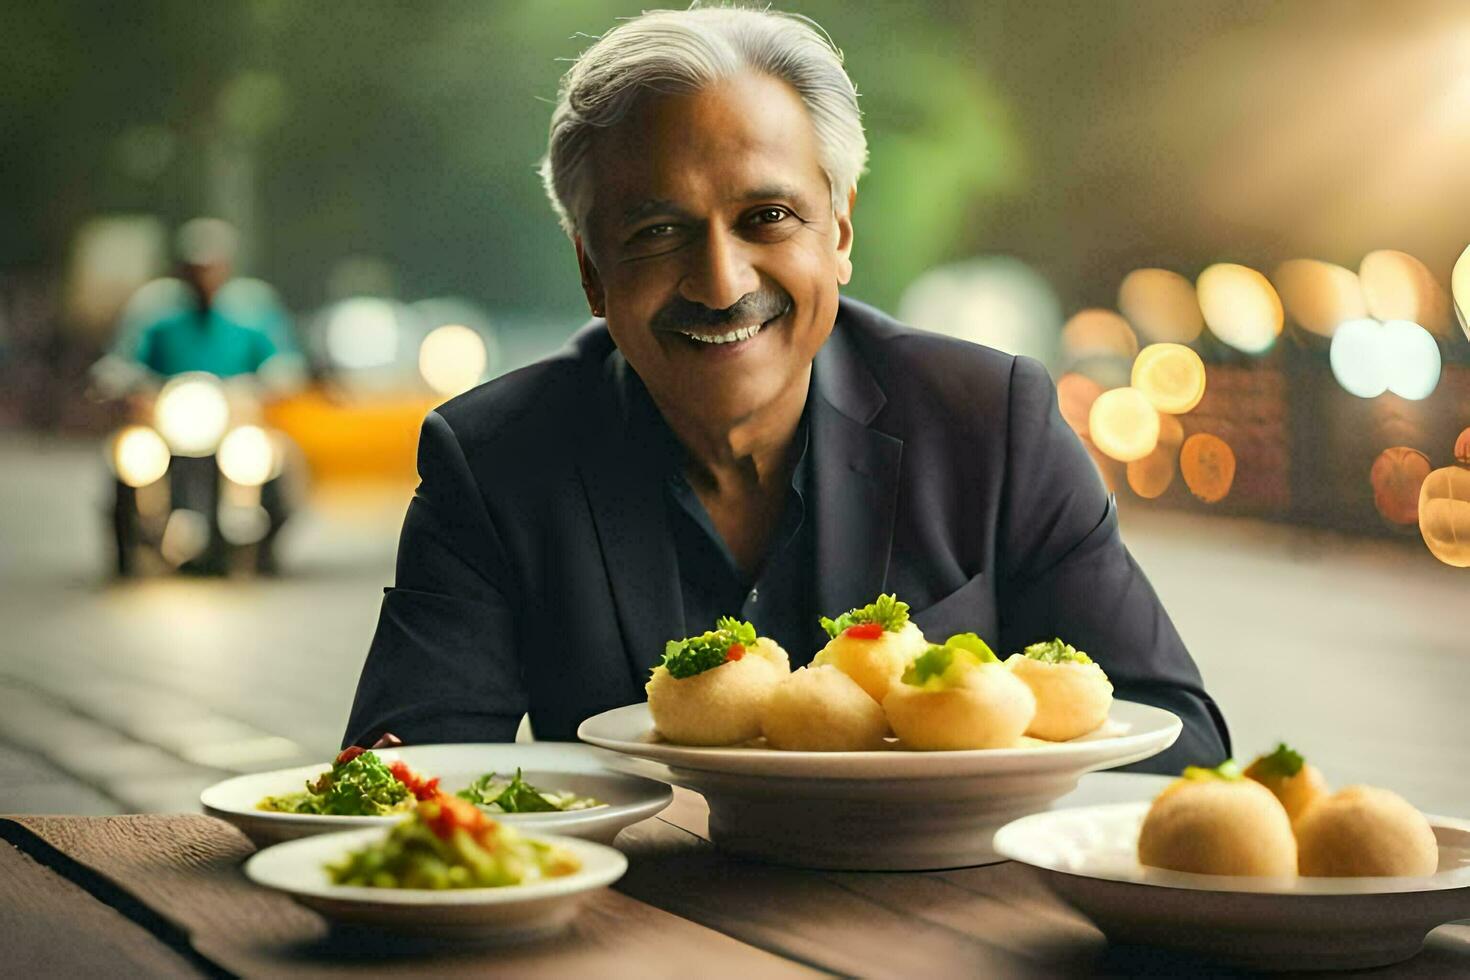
{"x": 1232, "y": 230}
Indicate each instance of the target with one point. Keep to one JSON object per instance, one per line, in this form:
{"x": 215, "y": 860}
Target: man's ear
{"x": 591, "y": 281}
{"x": 844, "y": 240}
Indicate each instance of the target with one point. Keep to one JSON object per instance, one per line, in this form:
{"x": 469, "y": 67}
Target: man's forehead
{"x": 732, "y": 143}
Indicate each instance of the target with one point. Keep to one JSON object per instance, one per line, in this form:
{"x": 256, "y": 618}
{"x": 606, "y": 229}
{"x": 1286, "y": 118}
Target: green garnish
{"x": 973, "y": 643}
{"x": 362, "y": 787}
{"x": 933, "y": 662}
{"x": 518, "y": 796}
{"x": 697, "y": 654}
{"x": 887, "y": 612}
{"x": 1056, "y": 652}
{"x": 1228, "y": 770}
{"x": 1284, "y": 761}
{"x": 931, "y": 668}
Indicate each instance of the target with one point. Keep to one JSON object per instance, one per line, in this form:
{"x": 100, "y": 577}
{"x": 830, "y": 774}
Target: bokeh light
{"x": 1151, "y": 476}
{"x": 1171, "y": 377}
{"x": 243, "y": 525}
{"x": 139, "y": 456}
{"x": 1319, "y": 296}
{"x": 1369, "y": 358}
{"x": 1075, "y": 395}
{"x": 1240, "y": 307}
{"x": 1411, "y": 360}
{"x": 362, "y": 332}
{"x": 452, "y": 359}
{"x": 1161, "y": 305}
{"x": 185, "y": 536}
{"x": 1396, "y": 477}
{"x": 1460, "y": 288}
{"x": 1462, "y": 448}
{"x": 1123, "y": 424}
{"x": 1357, "y": 358}
{"x": 1397, "y": 286}
{"x": 1098, "y": 333}
{"x": 247, "y": 456}
{"x": 1208, "y": 465}
{"x": 1444, "y": 515}
{"x": 192, "y": 414}
{"x": 997, "y": 301}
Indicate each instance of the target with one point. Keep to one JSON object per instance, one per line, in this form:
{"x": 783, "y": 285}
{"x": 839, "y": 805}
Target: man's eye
{"x": 656, "y": 231}
{"x": 770, "y": 216}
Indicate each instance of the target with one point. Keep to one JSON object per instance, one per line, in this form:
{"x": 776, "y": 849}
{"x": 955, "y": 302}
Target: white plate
{"x": 1088, "y": 856}
{"x": 886, "y": 810}
{"x": 509, "y": 914}
{"x": 546, "y": 765}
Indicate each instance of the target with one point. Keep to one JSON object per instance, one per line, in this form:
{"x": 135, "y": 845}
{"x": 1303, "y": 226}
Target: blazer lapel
{"x": 856, "y": 469}
{"x": 619, "y": 465}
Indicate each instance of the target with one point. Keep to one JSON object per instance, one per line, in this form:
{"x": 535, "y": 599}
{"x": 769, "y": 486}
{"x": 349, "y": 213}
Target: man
{"x": 728, "y": 436}
{"x": 202, "y": 321}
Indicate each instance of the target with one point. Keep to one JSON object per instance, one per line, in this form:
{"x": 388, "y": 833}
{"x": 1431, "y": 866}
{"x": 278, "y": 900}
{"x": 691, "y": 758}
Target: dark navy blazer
{"x": 536, "y": 571}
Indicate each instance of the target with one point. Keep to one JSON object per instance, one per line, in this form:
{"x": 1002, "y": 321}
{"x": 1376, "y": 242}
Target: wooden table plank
{"x": 817, "y": 918}
{"x": 186, "y": 868}
{"x": 50, "y": 927}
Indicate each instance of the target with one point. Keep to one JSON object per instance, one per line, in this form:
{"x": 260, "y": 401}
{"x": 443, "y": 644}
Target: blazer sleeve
{"x": 443, "y": 666}
{"x": 1066, "y": 572}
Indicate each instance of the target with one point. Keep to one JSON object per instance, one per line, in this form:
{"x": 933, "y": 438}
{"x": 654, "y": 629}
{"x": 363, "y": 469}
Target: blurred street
{"x": 133, "y": 696}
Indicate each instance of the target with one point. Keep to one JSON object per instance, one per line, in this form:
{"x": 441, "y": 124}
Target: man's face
{"x": 711, "y": 216}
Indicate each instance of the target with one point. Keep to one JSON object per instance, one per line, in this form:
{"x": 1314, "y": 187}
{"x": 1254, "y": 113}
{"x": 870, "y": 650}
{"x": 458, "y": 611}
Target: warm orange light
{"x": 1319, "y": 296}
{"x": 1123, "y": 424}
{"x": 1240, "y": 307}
{"x": 1171, "y": 377}
{"x": 1161, "y": 305}
{"x": 1075, "y": 395}
{"x": 1208, "y": 465}
{"x": 1397, "y": 475}
{"x": 1397, "y": 286}
{"x": 1150, "y": 477}
{"x": 1098, "y": 333}
{"x": 1460, "y": 287}
{"x": 1444, "y": 515}
{"x": 1462, "y": 448}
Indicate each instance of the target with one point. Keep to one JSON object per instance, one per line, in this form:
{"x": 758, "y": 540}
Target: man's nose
{"x": 720, "y": 271}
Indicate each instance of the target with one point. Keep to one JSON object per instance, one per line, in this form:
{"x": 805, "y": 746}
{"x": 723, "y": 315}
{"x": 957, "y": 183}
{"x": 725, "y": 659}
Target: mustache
{"x": 679, "y": 314}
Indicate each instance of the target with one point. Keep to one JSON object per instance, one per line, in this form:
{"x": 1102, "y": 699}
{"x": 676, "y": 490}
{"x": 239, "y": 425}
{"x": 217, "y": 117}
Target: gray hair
{"x": 682, "y": 51}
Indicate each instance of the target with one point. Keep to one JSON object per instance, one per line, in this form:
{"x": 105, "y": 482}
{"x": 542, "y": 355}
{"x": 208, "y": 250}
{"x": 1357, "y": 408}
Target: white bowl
{"x": 886, "y": 810}
{"x": 510, "y": 914}
{"x": 1088, "y": 856}
{"x": 546, "y": 765}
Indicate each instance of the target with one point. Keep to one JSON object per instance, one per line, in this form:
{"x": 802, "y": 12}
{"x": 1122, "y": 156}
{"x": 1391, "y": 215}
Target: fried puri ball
{"x": 959, "y": 696}
{"x": 1297, "y": 783}
{"x": 1073, "y": 695}
{"x": 1366, "y": 831}
{"x": 874, "y": 663}
{"x": 713, "y": 689}
{"x": 821, "y": 709}
{"x": 1215, "y": 822}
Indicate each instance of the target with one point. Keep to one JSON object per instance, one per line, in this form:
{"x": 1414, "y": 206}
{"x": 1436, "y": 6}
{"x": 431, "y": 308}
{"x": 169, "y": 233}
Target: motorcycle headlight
{"x": 192, "y": 413}
{"x": 247, "y": 456}
{"x": 139, "y": 456}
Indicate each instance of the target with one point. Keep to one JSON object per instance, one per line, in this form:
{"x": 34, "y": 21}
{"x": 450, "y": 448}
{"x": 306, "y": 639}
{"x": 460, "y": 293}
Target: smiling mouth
{"x": 733, "y": 336}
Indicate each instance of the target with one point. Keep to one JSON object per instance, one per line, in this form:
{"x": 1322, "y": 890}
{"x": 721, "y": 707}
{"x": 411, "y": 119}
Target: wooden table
{"x": 163, "y": 896}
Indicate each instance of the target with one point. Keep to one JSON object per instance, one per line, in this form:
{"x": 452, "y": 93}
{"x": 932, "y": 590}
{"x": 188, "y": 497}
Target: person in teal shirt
{"x": 204, "y": 320}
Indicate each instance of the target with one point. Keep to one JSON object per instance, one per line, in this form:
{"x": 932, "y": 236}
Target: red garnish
{"x": 348, "y": 754}
{"x": 864, "y": 631}
{"x": 421, "y": 788}
{"x": 736, "y": 651}
{"x": 447, "y": 814}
